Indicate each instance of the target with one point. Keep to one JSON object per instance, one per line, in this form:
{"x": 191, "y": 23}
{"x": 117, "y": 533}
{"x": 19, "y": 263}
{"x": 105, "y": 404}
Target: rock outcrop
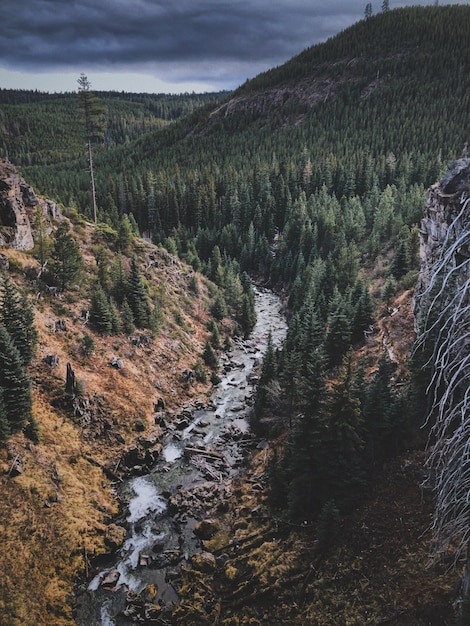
{"x": 445, "y": 223}
{"x": 18, "y": 207}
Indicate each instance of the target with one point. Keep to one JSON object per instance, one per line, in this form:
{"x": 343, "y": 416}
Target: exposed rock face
{"x": 446, "y": 220}
{"x": 18, "y": 205}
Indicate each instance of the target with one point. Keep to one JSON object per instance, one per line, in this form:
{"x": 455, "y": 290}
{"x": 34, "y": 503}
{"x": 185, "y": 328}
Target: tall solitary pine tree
{"x": 94, "y": 127}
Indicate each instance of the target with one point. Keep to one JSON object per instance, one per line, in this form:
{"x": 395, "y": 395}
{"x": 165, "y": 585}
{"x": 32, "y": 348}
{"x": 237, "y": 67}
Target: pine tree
{"x": 16, "y": 314}
{"x": 219, "y": 308}
{"x": 400, "y": 258}
{"x": 127, "y": 317}
{"x": 215, "y": 334}
{"x": 15, "y": 384}
{"x": 338, "y": 336}
{"x": 379, "y": 410}
{"x": 345, "y": 436}
{"x": 137, "y": 296}
{"x": 125, "y": 234}
{"x": 209, "y": 356}
{"x": 67, "y": 261}
{"x": 119, "y": 281}
{"x": 100, "y": 313}
{"x": 94, "y": 127}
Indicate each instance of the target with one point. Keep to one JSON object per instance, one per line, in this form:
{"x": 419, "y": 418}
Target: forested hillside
{"x": 310, "y": 178}
{"x": 39, "y": 128}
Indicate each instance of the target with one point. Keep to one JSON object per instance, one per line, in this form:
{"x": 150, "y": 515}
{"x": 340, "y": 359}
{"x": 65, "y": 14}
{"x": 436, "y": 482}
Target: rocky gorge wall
{"x": 18, "y": 207}
{"x": 444, "y": 230}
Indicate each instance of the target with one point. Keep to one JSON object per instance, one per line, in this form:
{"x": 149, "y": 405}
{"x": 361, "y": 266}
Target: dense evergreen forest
{"x": 309, "y": 178}
{"x": 39, "y": 128}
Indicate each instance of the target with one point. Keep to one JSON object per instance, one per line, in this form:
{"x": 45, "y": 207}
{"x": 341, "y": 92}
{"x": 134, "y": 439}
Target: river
{"x": 201, "y": 452}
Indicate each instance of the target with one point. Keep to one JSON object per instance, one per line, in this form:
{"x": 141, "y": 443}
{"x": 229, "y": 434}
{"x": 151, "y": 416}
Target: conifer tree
{"x": 94, "y": 127}
{"x": 345, "y": 436}
{"x": 119, "y": 281}
{"x": 67, "y": 262}
{"x": 338, "y": 336}
{"x": 100, "y": 313}
{"x": 125, "y": 234}
{"x": 268, "y": 374}
{"x": 15, "y": 384}
{"x": 379, "y": 410}
{"x": 137, "y": 296}
{"x": 209, "y": 356}
{"x": 215, "y": 334}
{"x": 127, "y": 317}
{"x": 219, "y": 307}
{"x": 400, "y": 257}
{"x": 17, "y": 316}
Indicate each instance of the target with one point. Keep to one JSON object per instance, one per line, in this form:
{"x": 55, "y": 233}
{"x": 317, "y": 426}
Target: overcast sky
{"x": 157, "y": 46}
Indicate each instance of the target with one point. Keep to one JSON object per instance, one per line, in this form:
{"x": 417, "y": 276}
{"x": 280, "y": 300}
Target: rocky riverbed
{"x": 178, "y": 490}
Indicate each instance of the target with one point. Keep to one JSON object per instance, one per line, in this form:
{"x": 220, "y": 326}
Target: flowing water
{"x": 159, "y": 539}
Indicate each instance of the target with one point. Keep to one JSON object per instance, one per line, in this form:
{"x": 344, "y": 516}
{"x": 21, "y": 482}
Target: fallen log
{"x": 206, "y": 453}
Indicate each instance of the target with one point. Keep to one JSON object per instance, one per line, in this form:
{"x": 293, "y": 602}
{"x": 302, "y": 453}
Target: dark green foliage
{"x": 345, "y": 441}
{"x": 363, "y": 310}
{"x": 200, "y": 372}
{"x": 127, "y": 317}
{"x": 115, "y": 317}
{"x": 137, "y": 296}
{"x": 215, "y": 334}
{"x": 268, "y": 375}
{"x": 119, "y": 282}
{"x": 17, "y": 316}
{"x": 4, "y": 425}
{"x": 88, "y": 344}
{"x": 58, "y": 126}
{"x": 15, "y": 384}
{"x": 381, "y": 415}
{"x": 67, "y": 263}
{"x": 218, "y": 307}
{"x": 125, "y": 234}
{"x": 209, "y": 356}
{"x": 400, "y": 264}
{"x": 268, "y": 370}
{"x": 338, "y": 335}
{"x": 101, "y": 317}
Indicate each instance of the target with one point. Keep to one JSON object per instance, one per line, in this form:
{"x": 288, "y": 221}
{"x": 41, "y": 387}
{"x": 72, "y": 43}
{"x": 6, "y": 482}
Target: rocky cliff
{"x": 18, "y": 207}
{"x": 444, "y": 229}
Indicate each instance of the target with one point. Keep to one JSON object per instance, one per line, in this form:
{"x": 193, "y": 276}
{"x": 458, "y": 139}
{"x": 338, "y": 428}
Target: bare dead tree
{"x": 446, "y": 326}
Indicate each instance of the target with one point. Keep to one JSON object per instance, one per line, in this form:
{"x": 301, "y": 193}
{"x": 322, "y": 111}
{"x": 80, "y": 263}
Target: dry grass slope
{"x": 54, "y": 516}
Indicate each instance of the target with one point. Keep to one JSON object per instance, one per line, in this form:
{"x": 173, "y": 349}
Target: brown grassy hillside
{"x": 54, "y": 515}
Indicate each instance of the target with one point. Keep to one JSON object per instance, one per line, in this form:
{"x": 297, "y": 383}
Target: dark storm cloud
{"x": 183, "y": 39}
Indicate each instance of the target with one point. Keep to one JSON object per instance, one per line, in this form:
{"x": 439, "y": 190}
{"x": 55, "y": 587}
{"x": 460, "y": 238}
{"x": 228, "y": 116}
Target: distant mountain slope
{"x": 394, "y": 84}
{"x": 38, "y": 128}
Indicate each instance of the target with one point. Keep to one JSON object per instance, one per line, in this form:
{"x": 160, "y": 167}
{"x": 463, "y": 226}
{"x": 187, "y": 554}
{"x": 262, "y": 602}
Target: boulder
{"x": 204, "y": 562}
{"x": 114, "y": 537}
{"x": 111, "y": 579}
{"x": 207, "y": 528}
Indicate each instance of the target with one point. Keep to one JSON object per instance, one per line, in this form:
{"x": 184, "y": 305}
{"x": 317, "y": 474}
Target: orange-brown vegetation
{"x": 55, "y": 514}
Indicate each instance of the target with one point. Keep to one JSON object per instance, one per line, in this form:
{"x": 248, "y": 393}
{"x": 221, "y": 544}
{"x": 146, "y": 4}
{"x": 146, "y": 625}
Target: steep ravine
{"x": 171, "y": 510}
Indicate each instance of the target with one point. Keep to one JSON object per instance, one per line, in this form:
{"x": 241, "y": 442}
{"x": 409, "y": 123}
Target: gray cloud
{"x": 215, "y": 41}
